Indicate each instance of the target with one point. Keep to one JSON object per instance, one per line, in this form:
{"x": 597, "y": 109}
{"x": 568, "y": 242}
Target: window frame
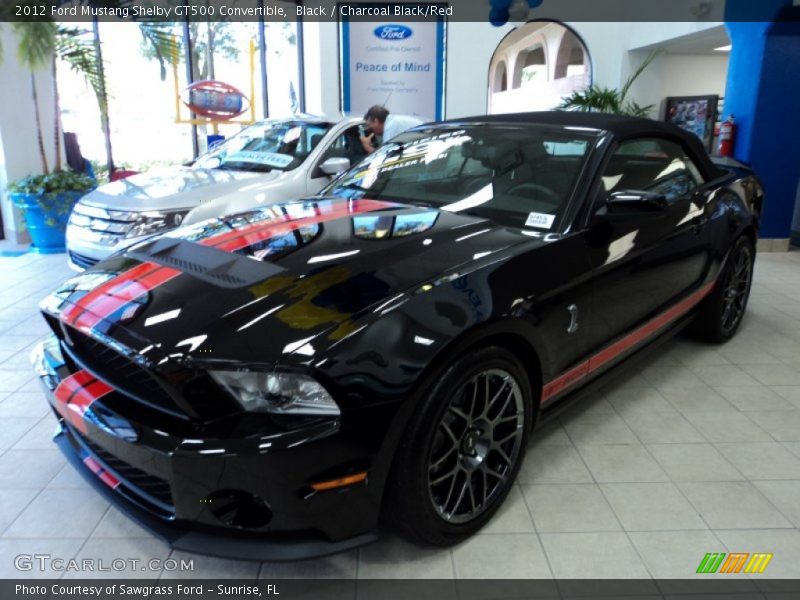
{"x": 592, "y": 200}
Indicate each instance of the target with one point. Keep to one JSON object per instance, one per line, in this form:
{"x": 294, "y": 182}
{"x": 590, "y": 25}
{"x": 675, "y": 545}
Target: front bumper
{"x": 239, "y": 497}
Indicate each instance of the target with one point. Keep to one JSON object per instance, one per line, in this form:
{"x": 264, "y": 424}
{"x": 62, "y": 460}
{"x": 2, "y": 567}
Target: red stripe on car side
{"x": 606, "y": 355}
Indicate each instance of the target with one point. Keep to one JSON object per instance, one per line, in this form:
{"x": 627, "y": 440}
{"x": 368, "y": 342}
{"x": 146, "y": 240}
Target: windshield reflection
{"x": 270, "y": 145}
{"x": 384, "y": 227}
{"x": 519, "y": 175}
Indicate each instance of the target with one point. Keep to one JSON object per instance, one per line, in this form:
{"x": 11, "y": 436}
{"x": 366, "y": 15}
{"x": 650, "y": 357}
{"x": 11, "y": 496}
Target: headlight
{"x": 286, "y": 393}
{"x": 151, "y": 222}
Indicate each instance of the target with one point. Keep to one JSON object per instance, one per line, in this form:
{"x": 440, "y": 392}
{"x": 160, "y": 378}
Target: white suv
{"x": 271, "y": 161}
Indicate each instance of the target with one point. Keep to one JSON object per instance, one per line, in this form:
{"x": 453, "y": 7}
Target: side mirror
{"x": 635, "y": 201}
{"x": 335, "y": 165}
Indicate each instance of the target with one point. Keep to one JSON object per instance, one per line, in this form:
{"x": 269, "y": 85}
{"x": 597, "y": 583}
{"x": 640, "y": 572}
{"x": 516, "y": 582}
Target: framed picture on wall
{"x": 697, "y": 114}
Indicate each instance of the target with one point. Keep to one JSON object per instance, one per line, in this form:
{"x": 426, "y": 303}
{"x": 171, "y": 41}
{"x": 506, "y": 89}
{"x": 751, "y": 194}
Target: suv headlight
{"x": 276, "y": 392}
{"x": 151, "y": 222}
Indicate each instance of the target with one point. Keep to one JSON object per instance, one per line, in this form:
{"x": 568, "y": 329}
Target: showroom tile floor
{"x": 696, "y": 451}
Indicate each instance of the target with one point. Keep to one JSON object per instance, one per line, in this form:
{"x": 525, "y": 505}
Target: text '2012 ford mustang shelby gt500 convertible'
{"x": 270, "y": 383}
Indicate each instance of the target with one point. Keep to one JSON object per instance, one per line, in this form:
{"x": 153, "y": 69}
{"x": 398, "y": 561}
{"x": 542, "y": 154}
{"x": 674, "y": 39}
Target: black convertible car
{"x": 273, "y": 383}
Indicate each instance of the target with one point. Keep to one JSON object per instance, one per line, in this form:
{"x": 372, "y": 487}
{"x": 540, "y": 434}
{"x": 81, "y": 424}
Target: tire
{"x": 456, "y": 437}
{"x": 722, "y": 311}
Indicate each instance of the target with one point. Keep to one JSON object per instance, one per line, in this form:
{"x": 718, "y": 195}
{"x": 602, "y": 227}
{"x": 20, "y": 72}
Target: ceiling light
{"x": 723, "y": 48}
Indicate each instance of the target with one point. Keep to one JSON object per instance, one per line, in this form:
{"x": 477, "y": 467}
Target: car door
{"x": 645, "y": 262}
{"x": 345, "y": 145}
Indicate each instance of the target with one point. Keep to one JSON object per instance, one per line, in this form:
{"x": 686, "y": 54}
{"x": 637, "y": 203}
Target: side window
{"x": 347, "y": 145}
{"x": 653, "y": 165}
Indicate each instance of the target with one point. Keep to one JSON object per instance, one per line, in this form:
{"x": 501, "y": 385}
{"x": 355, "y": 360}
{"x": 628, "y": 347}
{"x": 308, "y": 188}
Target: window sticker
{"x": 541, "y": 220}
{"x": 271, "y": 159}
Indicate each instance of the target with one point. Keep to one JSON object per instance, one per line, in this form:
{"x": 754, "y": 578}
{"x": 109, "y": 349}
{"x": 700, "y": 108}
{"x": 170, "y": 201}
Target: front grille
{"x": 122, "y": 373}
{"x": 147, "y": 491}
{"x": 141, "y": 482}
{"x": 82, "y": 261}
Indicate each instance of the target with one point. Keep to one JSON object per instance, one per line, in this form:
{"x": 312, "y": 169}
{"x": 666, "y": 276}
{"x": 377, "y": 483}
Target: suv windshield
{"x": 519, "y": 176}
{"x": 281, "y": 145}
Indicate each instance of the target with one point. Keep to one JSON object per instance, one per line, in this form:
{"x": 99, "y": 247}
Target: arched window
{"x": 500, "y": 83}
{"x": 530, "y": 67}
{"x": 571, "y": 60}
{"x": 535, "y": 66}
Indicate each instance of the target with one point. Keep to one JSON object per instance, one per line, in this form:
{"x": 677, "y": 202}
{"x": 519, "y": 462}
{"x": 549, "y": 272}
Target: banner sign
{"x": 393, "y": 62}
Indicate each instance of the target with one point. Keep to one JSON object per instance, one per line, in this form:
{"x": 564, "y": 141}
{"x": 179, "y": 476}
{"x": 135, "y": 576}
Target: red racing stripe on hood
{"x": 120, "y": 294}
{"x": 257, "y": 232}
{"x": 72, "y": 312}
{"x": 112, "y": 295}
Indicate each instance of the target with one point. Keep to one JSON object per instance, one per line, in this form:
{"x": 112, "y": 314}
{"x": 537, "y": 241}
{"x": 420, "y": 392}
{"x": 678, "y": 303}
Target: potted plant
{"x": 46, "y": 198}
{"x": 607, "y": 100}
{"x": 46, "y": 201}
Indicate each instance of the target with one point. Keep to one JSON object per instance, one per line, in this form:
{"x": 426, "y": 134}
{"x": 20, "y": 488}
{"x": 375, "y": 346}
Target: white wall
{"x": 469, "y": 51}
{"x": 470, "y": 47}
{"x": 321, "y": 54}
{"x": 649, "y": 34}
{"x": 680, "y": 75}
{"x": 19, "y": 154}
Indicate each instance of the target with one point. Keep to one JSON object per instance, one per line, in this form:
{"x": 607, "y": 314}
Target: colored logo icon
{"x": 735, "y": 562}
{"x": 393, "y": 32}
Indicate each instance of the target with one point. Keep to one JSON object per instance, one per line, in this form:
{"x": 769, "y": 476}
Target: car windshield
{"x": 519, "y": 176}
{"x": 281, "y": 145}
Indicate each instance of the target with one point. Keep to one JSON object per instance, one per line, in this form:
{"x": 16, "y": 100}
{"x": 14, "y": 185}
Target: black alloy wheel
{"x": 721, "y": 313}
{"x": 736, "y": 288}
{"x": 476, "y": 445}
{"x": 462, "y": 449}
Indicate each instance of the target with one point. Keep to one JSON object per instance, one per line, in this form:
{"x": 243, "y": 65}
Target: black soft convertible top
{"x": 620, "y": 127}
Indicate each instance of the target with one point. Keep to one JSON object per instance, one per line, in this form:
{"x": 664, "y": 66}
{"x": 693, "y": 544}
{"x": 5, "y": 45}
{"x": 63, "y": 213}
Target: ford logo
{"x": 393, "y": 32}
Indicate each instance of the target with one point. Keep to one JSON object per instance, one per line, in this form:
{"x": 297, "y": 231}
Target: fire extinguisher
{"x": 727, "y": 136}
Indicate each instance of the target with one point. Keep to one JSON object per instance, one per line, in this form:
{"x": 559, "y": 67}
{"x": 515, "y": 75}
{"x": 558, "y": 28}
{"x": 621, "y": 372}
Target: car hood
{"x": 257, "y": 287}
{"x": 178, "y": 187}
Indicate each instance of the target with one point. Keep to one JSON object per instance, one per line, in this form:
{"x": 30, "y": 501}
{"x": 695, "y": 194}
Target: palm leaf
{"x": 639, "y": 70}
{"x": 592, "y": 99}
{"x": 632, "y": 109}
{"x": 161, "y": 38}
{"x": 37, "y": 41}
{"x": 607, "y": 100}
{"x": 75, "y": 47}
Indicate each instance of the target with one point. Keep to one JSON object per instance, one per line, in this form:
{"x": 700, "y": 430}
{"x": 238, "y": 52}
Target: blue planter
{"x": 46, "y": 227}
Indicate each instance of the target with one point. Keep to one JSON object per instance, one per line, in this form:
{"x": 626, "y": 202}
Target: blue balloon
{"x": 500, "y": 4}
{"x": 534, "y": 3}
{"x": 498, "y": 16}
